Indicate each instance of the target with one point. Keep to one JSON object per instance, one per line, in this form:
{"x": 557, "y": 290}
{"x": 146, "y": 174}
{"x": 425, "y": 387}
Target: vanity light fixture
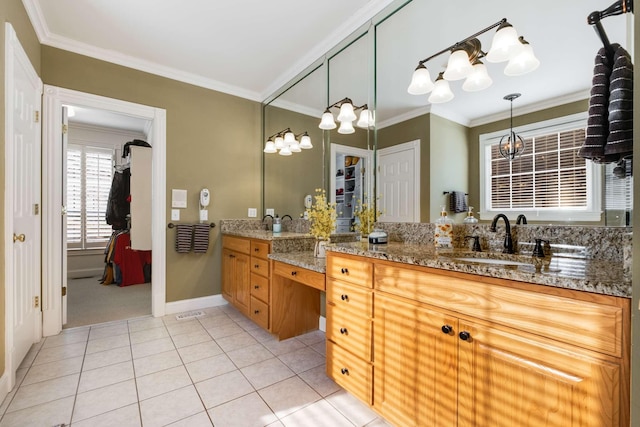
{"x": 286, "y": 142}
{"x": 464, "y": 63}
{"x": 346, "y": 117}
{"x": 511, "y": 145}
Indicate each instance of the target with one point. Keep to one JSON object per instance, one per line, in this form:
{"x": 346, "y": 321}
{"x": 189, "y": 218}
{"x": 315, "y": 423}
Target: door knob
{"x": 19, "y": 237}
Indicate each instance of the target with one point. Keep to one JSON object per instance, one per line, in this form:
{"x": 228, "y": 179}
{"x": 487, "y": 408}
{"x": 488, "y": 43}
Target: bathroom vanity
{"x": 428, "y": 339}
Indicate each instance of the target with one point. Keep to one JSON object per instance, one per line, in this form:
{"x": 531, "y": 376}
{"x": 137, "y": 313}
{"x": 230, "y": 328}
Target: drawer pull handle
{"x": 256, "y": 250}
{"x": 447, "y": 329}
{"x": 344, "y": 297}
{"x": 344, "y": 371}
{"x": 232, "y": 256}
{"x": 464, "y": 336}
{"x": 343, "y": 331}
{"x": 256, "y": 312}
{"x": 256, "y": 266}
{"x": 256, "y": 286}
{"x": 293, "y": 273}
{"x": 344, "y": 270}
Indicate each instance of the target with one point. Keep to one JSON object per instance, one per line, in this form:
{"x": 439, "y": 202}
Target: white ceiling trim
{"x": 416, "y": 112}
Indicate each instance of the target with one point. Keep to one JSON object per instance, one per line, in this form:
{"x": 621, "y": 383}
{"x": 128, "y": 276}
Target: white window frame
{"x": 84, "y": 244}
{"x": 593, "y": 210}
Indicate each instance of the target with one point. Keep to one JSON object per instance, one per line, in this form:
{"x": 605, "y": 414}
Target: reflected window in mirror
{"x": 549, "y": 181}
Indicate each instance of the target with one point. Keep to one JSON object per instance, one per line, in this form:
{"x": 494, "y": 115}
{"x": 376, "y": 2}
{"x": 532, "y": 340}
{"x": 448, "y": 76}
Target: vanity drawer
{"x": 237, "y": 244}
{"x": 352, "y": 299}
{"x": 588, "y": 324}
{"x": 260, "y": 266}
{"x": 352, "y": 270}
{"x": 349, "y": 331}
{"x": 299, "y": 274}
{"x": 260, "y": 287}
{"x": 350, "y": 372}
{"x": 259, "y": 249}
{"x": 259, "y": 312}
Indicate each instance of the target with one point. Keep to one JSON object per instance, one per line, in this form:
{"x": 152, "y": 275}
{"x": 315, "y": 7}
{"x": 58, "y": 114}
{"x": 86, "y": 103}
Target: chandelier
{"x": 346, "y": 117}
{"x": 286, "y": 142}
{"x": 511, "y": 145}
{"x": 465, "y": 63}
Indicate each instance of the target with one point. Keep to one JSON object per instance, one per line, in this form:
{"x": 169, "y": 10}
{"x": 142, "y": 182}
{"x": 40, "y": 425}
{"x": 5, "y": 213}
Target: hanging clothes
{"x": 118, "y": 204}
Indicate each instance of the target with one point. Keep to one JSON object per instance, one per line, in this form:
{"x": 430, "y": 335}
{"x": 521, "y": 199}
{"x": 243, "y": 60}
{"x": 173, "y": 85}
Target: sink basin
{"x": 490, "y": 261}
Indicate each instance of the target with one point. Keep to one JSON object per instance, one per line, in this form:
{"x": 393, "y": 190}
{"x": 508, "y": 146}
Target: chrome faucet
{"x": 508, "y": 240}
{"x": 267, "y": 224}
{"x": 522, "y": 218}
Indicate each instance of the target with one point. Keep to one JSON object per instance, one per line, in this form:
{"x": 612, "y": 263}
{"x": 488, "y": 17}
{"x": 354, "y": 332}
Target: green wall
{"x": 11, "y": 11}
{"x": 212, "y": 141}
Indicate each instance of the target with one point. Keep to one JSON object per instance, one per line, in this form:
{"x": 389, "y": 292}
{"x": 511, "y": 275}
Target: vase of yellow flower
{"x": 322, "y": 215}
{"x": 366, "y": 216}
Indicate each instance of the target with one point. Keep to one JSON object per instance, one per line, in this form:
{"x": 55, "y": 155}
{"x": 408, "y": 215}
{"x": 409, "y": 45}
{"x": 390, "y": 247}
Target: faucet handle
{"x": 476, "y": 243}
{"x": 538, "y": 250}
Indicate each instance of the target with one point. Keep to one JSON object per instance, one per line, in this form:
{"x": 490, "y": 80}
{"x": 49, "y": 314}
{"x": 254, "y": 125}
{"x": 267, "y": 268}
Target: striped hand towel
{"x": 184, "y": 238}
{"x": 620, "y": 139}
{"x": 201, "y": 238}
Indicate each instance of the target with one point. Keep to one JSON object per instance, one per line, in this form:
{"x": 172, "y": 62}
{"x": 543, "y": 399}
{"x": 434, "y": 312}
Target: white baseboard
{"x": 322, "y": 324}
{"x": 194, "y": 304}
{"x": 4, "y": 385}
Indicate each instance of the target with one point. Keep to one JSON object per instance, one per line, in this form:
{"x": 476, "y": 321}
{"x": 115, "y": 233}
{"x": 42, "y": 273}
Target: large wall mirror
{"x": 446, "y": 135}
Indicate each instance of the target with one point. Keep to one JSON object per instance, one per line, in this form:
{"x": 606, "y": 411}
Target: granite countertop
{"x": 603, "y": 277}
{"x": 268, "y": 235}
{"x": 301, "y": 259}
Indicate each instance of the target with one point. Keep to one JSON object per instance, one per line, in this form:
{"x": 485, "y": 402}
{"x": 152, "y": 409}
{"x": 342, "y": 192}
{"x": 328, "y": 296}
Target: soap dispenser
{"x": 277, "y": 224}
{"x": 470, "y": 219}
{"x": 443, "y": 237}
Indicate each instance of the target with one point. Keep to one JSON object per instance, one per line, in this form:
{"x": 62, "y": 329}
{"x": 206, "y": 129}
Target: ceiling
{"x": 251, "y": 48}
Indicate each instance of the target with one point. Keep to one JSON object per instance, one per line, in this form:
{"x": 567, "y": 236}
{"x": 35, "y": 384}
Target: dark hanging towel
{"x": 201, "y": 238}
{"x": 457, "y": 201}
{"x": 620, "y": 139}
{"x": 184, "y": 238}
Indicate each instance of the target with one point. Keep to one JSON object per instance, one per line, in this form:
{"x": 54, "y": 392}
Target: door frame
{"x": 363, "y": 153}
{"x": 14, "y": 54}
{"x": 52, "y": 168}
{"x": 405, "y": 146}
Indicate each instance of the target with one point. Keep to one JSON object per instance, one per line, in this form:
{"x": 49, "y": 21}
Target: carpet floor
{"x": 89, "y": 302}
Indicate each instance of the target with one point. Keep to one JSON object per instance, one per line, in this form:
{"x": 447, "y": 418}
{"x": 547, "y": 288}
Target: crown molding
{"x": 297, "y": 108}
{"x": 416, "y": 112}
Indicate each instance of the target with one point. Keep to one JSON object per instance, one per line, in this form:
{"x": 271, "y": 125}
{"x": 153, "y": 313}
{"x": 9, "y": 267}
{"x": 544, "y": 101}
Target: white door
{"x": 22, "y": 202}
{"x": 63, "y": 217}
{"x": 398, "y": 180}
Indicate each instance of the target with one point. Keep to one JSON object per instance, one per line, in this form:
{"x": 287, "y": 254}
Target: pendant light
{"x": 511, "y": 145}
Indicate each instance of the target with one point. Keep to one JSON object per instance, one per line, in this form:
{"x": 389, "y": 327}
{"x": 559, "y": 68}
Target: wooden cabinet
{"x": 349, "y": 324}
{"x": 245, "y": 277}
{"x": 453, "y": 349}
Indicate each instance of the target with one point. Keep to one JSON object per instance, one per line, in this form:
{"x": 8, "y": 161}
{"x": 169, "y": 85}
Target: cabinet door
{"x": 228, "y": 274}
{"x": 242, "y": 283}
{"x": 415, "y": 364}
{"x": 507, "y": 379}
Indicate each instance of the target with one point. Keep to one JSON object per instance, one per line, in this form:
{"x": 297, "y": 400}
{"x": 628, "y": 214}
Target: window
{"x": 89, "y": 174}
{"x": 549, "y": 181}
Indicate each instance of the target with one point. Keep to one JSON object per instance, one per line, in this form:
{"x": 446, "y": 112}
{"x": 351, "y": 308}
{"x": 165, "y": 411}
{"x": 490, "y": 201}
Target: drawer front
{"x": 349, "y": 331}
{"x": 259, "y": 312}
{"x": 349, "y": 372}
{"x": 259, "y": 249}
{"x": 260, "y": 266}
{"x": 260, "y": 287}
{"x": 586, "y": 324}
{"x": 237, "y": 244}
{"x": 352, "y": 270}
{"x": 299, "y": 274}
{"x": 349, "y": 298}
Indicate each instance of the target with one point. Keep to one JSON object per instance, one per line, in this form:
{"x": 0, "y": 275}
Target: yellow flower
{"x": 366, "y": 216}
{"x": 322, "y": 215}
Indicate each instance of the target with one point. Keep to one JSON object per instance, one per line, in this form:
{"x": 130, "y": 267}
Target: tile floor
{"x": 219, "y": 369}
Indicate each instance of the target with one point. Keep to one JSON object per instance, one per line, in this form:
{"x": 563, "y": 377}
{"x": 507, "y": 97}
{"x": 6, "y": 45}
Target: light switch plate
{"x": 252, "y": 213}
{"x": 178, "y": 198}
{"x": 270, "y": 212}
{"x": 175, "y": 214}
{"x": 204, "y": 215}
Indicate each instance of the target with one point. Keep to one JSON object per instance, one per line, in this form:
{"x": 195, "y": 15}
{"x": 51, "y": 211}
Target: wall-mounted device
{"x": 205, "y": 199}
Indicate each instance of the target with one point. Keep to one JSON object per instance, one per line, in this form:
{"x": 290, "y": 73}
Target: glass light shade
{"x": 421, "y": 83}
{"x": 523, "y": 62}
{"x": 327, "y": 122}
{"x": 441, "y": 92}
{"x": 279, "y": 142}
{"x": 504, "y": 42}
{"x": 478, "y": 80}
{"x": 285, "y": 151}
{"x": 270, "y": 147}
{"x": 289, "y": 138}
{"x": 305, "y": 142}
{"x": 346, "y": 128}
{"x": 346, "y": 113}
{"x": 458, "y": 66}
{"x": 294, "y": 147}
{"x": 363, "y": 121}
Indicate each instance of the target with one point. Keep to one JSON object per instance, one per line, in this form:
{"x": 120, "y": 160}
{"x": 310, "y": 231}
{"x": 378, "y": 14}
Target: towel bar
{"x": 172, "y": 225}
